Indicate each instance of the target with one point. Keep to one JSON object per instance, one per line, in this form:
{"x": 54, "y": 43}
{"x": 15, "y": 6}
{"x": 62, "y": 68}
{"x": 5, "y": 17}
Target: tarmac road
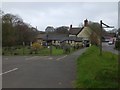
{"x": 109, "y": 48}
{"x": 39, "y": 71}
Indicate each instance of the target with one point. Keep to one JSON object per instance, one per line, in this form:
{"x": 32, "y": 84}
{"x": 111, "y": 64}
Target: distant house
{"x": 54, "y": 38}
{"x": 76, "y": 36}
{"x": 86, "y": 31}
{"x": 81, "y": 32}
{"x": 74, "y": 31}
{"x": 39, "y": 38}
{"x": 57, "y": 39}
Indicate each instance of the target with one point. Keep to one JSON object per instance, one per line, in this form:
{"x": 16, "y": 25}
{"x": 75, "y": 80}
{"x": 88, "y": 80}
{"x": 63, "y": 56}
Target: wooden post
{"x": 107, "y": 26}
{"x": 101, "y": 38}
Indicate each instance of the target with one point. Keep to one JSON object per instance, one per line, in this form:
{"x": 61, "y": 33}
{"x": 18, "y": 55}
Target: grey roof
{"x": 75, "y": 31}
{"x": 54, "y": 36}
{"x": 58, "y": 37}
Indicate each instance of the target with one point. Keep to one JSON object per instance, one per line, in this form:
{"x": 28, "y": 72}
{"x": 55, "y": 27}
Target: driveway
{"x": 40, "y": 71}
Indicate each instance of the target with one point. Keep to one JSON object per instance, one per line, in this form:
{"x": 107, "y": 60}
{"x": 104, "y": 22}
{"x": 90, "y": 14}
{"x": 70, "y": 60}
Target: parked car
{"x": 110, "y": 42}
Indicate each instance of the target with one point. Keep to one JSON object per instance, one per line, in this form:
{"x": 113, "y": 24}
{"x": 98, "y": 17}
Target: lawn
{"x": 95, "y": 71}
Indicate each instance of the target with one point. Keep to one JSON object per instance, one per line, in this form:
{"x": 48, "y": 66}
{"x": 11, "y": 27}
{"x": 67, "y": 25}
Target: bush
{"x": 31, "y": 52}
{"x": 66, "y": 48}
{"x": 36, "y": 46}
{"x": 29, "y": 47}
{"x": 15, "y": 53}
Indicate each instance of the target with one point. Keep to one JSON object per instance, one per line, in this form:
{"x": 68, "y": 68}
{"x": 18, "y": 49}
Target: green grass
{"x": 95, "y": 71}
{"x": 46, "y": 51}
{"x": 43, "y": 51}
{"x": 57, "y": 51}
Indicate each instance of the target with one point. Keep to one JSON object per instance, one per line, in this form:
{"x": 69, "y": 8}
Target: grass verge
{"x": 95, "y": 71}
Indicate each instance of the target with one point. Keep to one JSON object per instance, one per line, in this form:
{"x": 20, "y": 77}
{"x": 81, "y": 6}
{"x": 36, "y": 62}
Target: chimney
{"x": 36, "y": 27}
{"x": 85, "y": 23}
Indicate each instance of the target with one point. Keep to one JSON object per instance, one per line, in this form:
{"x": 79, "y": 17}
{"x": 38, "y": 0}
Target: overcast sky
{"x": 63, "y": 14}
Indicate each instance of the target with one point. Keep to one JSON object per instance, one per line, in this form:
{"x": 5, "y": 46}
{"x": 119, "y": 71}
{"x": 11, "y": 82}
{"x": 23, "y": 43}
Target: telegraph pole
{"x": 101, "y": 37}
{"x": 106, "y": 26}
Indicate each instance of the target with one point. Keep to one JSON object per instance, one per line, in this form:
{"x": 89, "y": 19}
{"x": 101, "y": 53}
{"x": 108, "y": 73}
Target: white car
{"x": 110, "y": 42}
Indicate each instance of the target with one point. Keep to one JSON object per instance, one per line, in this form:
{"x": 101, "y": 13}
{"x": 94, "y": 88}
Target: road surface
{"x": 109, "y": 48}
{"x": 39, "y": 71}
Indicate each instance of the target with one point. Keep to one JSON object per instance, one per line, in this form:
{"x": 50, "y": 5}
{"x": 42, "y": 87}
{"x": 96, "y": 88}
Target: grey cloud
{"x": 57, "y": 14}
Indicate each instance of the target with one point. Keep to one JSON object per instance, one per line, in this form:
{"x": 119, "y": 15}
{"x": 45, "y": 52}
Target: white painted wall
{"x": 85, "y": 33}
